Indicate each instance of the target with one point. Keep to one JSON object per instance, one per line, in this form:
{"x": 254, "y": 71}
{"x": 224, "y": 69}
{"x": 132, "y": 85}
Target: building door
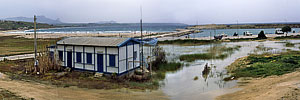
{"x": 100, "y": 62}
{"x": 69, "y": 59}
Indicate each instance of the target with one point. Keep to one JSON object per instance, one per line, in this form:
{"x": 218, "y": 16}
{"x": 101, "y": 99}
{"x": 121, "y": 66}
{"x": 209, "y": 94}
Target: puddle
{"x": 180, "y": 85}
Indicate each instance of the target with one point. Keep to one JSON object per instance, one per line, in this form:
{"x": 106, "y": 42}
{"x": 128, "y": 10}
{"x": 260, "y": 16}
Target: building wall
{"x": 129, "y": 48}
{"x": 123, "y": 57}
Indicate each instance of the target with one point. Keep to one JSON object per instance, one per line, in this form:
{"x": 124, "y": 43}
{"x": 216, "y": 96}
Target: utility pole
{"x": 237, "y": 28}
{"x": 141, "y": 22}
{"x": 35, "y": 47}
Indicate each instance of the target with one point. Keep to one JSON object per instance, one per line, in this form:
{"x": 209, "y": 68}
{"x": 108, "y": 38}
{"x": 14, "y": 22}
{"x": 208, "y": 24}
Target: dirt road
{"x": 46, "y": 92}
{"x": 17, "y": 57}
{"x": 285, "y": 87}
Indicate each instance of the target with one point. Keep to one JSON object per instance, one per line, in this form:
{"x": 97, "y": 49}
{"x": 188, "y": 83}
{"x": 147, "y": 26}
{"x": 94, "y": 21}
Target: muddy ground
{"x": 285, "y": 87}
{"x": 47, "y": 92}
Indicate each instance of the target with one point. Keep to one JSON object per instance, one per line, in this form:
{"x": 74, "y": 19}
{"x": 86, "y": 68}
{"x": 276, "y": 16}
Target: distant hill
{"x": 119, "y": 24}
{"x": 105, "y": 22}
{"x": 40, "y": 19}
{"x": 18, "y": 25}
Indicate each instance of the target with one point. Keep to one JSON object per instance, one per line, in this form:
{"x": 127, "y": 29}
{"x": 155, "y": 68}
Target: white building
{"x": 98, "y": 54}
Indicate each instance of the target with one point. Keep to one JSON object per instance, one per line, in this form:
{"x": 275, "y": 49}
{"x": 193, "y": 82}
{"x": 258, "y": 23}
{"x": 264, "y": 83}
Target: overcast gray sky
{"x": 164, "y": 11}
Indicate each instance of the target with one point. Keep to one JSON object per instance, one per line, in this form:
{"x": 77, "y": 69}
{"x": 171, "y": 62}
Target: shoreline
{"x": 161, "y": 36}
{"x": 266, "y": 84}
{"x": 269, "y": 88}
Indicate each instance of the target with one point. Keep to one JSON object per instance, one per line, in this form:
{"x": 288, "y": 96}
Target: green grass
{"x": 188, "y": 42}
{"x": 191, "y": 42}
{"x": 287, "y": 37}
{"x": 166, "y": 67}
{"x": 14, "y": 25}
{"x": 289, "y": 44}
{"x": 268, "y": 64}
{"x": 216, "y": 52}
{"x": 11, "y": 45}
{"x": 201, "y": 56}
{"x": 243, "y": 39}
{"x": 7, "y": 95}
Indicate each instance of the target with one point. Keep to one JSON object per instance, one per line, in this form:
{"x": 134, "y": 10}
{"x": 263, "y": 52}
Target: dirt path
{"x": 17, "y": 57}
{"x": 45, "y": 92}
{"x": 285, "y": 87}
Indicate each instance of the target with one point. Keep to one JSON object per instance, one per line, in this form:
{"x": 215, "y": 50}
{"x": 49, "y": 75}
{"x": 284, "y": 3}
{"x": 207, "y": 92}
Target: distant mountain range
{"x": 57, "y": 22}
{"x": 40, "y": 19}
{"x": 105, "y": 22}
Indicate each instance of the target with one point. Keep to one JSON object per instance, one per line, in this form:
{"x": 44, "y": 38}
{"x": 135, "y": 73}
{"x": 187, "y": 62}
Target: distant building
{"x": 98, "y": 54}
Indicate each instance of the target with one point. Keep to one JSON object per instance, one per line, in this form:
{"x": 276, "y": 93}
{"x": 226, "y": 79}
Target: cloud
{"x": 183, "y": 11}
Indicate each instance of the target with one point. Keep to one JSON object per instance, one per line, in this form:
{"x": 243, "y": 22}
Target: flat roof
{"x": 94, "y": 41}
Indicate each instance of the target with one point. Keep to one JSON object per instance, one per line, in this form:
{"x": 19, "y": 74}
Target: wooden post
{"x": 35, "y": 47}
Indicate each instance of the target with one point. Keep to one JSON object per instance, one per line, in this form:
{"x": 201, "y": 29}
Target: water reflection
{"x": 180, "y": 85}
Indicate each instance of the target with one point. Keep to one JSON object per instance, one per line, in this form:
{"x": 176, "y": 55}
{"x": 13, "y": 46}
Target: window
{"x": 78, "y": 57}
{"x": 89, "y": 58}
{"x": 112, "y": 60}
{"x": 60, "y": 55}
{"x": 134, "y": 55}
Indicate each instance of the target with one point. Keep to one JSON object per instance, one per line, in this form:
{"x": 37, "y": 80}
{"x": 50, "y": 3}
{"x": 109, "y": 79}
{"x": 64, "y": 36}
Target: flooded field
{"x": 183, "y": 84}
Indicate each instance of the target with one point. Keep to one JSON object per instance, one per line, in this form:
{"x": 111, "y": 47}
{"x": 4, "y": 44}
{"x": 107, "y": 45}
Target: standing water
{"x": 181, "y": 85}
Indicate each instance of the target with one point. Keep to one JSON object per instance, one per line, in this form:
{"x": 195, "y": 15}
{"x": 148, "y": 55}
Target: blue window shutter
{"x": 60, "y": 55}
{"x": 112, "y": 60}
{"x": 89, "y": 58}
{"x": 78, "y": 57}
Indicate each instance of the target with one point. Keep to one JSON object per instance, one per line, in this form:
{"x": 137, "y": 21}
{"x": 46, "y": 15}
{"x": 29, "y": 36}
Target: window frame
{"x": 111, "y": 64}
{"x": 78, "y": 58}
{"x": 89, "y": 60}
{"x": 134, "y": 55}
{"x": 61, "y": 55}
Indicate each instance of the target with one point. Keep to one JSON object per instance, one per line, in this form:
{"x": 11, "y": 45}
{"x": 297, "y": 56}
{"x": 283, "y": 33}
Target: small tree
{"x": 286, "y": 29}
{"x": 160, "y": 58}
{"x": 261, "y": 35}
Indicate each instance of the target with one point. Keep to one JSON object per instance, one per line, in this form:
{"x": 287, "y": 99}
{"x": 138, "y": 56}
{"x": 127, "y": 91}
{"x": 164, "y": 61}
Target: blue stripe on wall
{"x": 73, "y": 56}
{"x": 65, "y": 57}
{"x": 133, "y": 55}
{"x": 106, "y": 59}
{"x": 126, "y": 58}
{"x": 118, "y": 60}
{"x": 83, "y": 57}
{"x": 94, "y": 59}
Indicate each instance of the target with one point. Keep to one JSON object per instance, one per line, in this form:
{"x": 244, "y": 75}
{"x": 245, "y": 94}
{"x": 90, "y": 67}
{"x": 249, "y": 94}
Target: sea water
{"x": 116, "y": 28}
{"x": 230, "y": 32}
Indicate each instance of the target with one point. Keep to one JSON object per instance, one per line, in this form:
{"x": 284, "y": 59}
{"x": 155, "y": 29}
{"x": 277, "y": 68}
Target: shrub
{"x": 46, "y": 64}
{"x": 261, "y": 35}
{"x": 289, "y": 44}
{"x": 268, "y": 64}
{"x": 160, "y": 58}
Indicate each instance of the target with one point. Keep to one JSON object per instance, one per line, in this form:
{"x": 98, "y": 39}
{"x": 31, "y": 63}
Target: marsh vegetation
{"x": 13, "y": 45}
{"x": 215, "y": 52}
{"x": 262, "y": 65}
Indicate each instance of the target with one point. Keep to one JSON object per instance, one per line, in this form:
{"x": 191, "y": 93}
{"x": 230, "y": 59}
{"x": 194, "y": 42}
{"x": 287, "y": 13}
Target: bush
{"x": 261, "y": 35}
{"x": 289, "y": 44}
{"x": 286, "y": 29}
{"x": 268, "y": 64}
{"x": 160, "y": 58}
{"x": 46, "y": 64}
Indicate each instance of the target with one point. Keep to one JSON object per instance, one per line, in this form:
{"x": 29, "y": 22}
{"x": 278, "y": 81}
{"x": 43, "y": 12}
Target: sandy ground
{"x": 16, "y": 57}
{"x": 46, "y": 92}
{"x": 285, "y": 87}
{"x": 161, "y": 36}
{"x": 60, "y": 35}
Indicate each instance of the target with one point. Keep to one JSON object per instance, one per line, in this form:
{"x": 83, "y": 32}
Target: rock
{"x": 138, "y": 77}
{"x": 68, "y": 69}
{"x": 97, "y": 75}
{"x": 60, "y": 74}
